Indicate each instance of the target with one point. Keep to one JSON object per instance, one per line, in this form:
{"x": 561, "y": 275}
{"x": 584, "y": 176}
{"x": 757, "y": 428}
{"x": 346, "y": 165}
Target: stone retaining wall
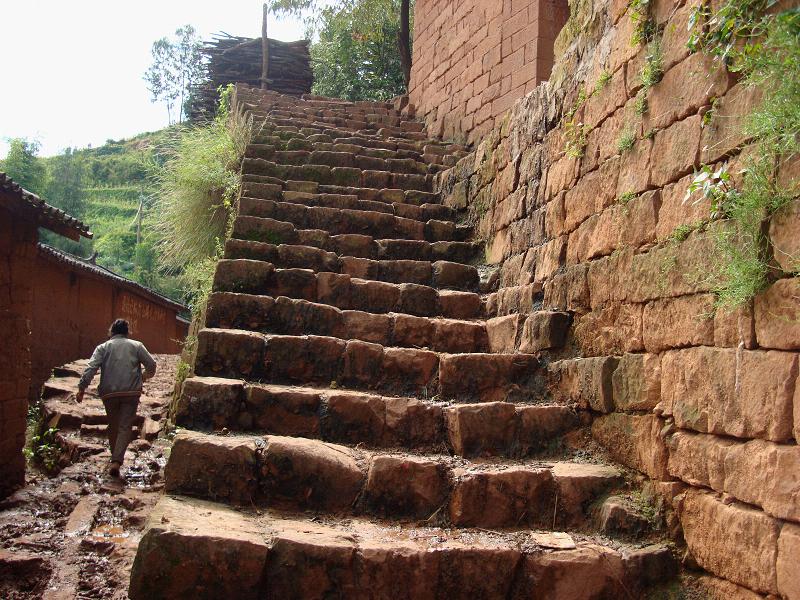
{"x": 704, "y": 402}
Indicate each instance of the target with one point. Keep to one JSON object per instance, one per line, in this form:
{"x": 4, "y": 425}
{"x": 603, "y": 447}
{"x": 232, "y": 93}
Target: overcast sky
{"x": 72, "y": 71}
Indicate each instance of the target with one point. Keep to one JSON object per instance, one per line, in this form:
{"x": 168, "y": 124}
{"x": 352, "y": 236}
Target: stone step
{"x": 343, "y": 291}
{"x": 306, "y": 474}
{"x": 265, "y": 191}
{"x": 375, "y": 194}
{"x": 289, "y": 316}
{"x": 323, "y": 360}
{"x": 197, "y": 549}
{"x": 263, "y": 145}
{"x": 343, "y": 157}
{"x": 272, "y": 232}
{"x": 374, "y": 421}
{"x": 344, "y": 176}
{"x": 336, "y": 127}
{"x": 338, "y": 221}
{"x": 440, "y": 274}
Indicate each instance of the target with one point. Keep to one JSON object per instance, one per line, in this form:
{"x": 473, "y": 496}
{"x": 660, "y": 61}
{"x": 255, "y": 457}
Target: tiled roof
{"x": 83, "y": 265}
{"x": 46, "y": 216}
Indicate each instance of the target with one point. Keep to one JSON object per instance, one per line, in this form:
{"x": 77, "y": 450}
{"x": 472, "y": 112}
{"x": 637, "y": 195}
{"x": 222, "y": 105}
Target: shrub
{"x": 197, "y": 185}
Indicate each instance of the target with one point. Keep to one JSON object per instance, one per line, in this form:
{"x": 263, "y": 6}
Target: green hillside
{"x": 104, "y": 187}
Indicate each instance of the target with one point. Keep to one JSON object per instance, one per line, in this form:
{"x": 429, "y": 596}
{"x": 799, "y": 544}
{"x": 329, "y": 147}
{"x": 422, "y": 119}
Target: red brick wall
{"x": 72, "y": 312}
{"x": 474, "y": 58}
{"x": 17, "y": 254}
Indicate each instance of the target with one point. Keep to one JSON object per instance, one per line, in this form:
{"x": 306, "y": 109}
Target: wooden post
{"x": 264, "y": 50}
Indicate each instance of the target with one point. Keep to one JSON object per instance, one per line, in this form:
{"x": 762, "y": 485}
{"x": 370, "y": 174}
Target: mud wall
{"x": 17, "y": 256}
{"x": 704, "y": 402}
{"x": 473, "y": 59}
{"x": 72, "y": 312}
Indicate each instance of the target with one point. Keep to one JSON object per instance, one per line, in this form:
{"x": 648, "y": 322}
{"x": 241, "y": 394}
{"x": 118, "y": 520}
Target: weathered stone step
{"x": 439, "y": 274}
{"x": 265, "y": 146}
{"x": 197, "y": 549}
{"x": 386, "y": 200}
{"x": 343, "y": 157}
{"x": 344, "y": 176}
{"x": 337, "y": 127}
{"x": 248, "y": 234}
{"x": 344, "y": 221}
{"x": 343, "y": 291}
{"x": 323, "y": 360}
{"x": 374, "y": 421}
{"x": 307, "y": 474}
{"x": 338, "y": 221}
{"x": 289, "y": 316}
{"x": 375, "y": 194}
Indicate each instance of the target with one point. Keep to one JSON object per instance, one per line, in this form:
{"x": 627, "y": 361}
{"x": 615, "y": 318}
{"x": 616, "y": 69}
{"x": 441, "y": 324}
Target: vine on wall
{"x": 764, "y": 49}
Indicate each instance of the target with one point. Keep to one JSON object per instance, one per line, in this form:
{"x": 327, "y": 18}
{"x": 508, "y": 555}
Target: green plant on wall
{"x": 644, "y": 27}
{"x": 626, "y": 139}
{"x": 765, "y": 49}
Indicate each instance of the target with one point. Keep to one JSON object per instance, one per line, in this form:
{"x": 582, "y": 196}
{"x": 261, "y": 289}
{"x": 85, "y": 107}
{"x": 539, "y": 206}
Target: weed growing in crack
{"x": 626, "y": 140}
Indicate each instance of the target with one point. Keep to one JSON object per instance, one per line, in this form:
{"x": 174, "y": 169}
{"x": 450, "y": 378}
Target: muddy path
{"x": 74, "y": 534}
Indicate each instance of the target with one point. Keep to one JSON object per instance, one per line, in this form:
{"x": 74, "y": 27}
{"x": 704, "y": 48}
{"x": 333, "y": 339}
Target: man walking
{"x": 120, "y": 361}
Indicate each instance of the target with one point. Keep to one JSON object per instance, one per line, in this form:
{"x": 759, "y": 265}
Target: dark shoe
{"x": 113, "y": 470}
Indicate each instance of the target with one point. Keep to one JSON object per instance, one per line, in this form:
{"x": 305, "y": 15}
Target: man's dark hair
{"x": 119, "y": 327}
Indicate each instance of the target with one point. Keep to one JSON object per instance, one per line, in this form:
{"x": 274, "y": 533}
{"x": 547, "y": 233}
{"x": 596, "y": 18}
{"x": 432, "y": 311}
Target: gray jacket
{"x": 120, "y": 360}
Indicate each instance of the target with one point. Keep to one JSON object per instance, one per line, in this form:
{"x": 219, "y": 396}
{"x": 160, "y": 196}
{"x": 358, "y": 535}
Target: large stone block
{"x": 783, "y": 233}
{"x": 731, "y": 541}
{"x": 218, "y": 468}
{"x": 777, "y": 315}
{"x": 725, "y": 132}
{"x": 584, "y": 381}
{"x": 544, "y": 330}
{"x": 678, "y": 322}
{"x": 615, "y": 328}
{"x": 405, "y": 486}
{"x": 684, "y": 89}
{"x": 741, "y": 393}
{"x": 677, "y": 147}
{"x": 502, "y": 498}
{"x": 308, "y": 473}
{"x": 635, "y": 441}
{"x": 788, "y": 561}
{"x": 636, "y": 382}
{"x": 477, "y": 429}
{"x": 221, "y": 554}
{"x": 679, "y": 211}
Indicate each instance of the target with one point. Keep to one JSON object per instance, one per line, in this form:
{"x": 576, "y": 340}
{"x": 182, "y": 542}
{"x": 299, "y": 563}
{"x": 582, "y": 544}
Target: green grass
{"x": 197, "y": 185}
{"x": 626, "y": 140}
{"x": 769, "y": 60}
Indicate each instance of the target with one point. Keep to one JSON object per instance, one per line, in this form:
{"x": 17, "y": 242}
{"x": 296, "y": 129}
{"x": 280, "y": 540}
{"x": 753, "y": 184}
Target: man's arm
{"x": 91, "y": 369}
{"x": 147, "y": 361}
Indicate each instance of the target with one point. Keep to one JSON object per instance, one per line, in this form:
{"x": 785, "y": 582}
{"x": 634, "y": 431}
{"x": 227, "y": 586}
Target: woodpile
{"x": 232, "y": 59}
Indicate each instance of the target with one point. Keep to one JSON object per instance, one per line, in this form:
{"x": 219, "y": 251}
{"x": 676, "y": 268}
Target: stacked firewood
{"x": 232, "y": 59}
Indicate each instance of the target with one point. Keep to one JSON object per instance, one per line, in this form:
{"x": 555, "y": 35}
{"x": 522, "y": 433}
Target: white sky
{"x": 72, "y": 72}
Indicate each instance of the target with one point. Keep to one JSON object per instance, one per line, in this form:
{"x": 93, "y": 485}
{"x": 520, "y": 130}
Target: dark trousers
{"x": 121, "y": 413}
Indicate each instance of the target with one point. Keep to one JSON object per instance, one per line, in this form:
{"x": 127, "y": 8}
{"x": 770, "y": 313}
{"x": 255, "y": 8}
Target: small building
{"x": 21, "y": 215}
{"x": 75, "y": 300}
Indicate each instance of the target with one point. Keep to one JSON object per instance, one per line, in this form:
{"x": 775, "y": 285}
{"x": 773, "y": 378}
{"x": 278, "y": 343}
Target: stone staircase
{"x": 352, "y": 428}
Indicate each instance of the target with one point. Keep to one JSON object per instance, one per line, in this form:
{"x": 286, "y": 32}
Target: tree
{"x": 382, "y": 26}
{"x": 24, "y": 166}
{"x": 176, "y": 69}
{"x": 355, "y": 57}
{"x": 65, "y": 183}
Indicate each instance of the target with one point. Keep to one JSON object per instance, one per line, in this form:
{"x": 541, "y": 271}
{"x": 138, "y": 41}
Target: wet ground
{"x": 74, "y": 534}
